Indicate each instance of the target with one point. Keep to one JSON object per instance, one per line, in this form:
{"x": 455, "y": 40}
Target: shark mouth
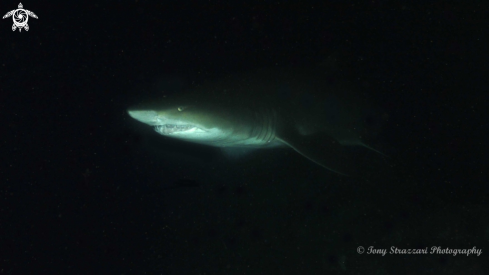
{"x": 168, "y": 129}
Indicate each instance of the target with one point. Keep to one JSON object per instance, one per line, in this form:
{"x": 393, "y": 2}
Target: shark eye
{"x": 180, "y": 109}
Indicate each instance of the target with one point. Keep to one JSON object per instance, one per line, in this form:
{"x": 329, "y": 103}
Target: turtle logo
{"x": 20, "y": 17}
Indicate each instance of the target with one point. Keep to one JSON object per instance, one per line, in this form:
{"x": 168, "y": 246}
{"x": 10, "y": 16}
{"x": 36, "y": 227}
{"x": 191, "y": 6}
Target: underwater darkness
{"x": 88, "y": 190}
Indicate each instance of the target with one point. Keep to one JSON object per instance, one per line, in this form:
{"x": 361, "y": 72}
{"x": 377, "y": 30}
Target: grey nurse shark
{"x": 302, "y": 110}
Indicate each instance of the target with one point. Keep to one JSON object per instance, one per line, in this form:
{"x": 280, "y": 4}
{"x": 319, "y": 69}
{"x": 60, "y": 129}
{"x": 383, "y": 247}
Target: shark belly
{"x": 251, "y": 143}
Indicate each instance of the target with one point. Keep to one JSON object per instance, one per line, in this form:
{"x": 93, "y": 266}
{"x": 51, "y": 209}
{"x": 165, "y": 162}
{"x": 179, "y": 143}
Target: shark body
{"x": 305, "y": 111}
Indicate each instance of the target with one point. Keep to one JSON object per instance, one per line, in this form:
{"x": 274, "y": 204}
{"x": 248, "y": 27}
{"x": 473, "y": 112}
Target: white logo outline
{"x": 20, "y": 17}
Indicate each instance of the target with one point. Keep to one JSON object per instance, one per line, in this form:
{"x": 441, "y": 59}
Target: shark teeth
{"x": 177, "y": 126}
{"x": 172, "y": 128}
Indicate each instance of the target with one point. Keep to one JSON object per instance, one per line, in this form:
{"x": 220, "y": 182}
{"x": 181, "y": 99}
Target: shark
{"x": 313, "y": 113}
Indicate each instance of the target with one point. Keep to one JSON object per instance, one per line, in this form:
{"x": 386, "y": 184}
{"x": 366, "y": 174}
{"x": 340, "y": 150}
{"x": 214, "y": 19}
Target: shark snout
{"x": 147, "y": 117}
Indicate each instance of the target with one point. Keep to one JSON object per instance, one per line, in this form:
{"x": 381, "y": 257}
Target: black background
{"x": 86, "y": 190}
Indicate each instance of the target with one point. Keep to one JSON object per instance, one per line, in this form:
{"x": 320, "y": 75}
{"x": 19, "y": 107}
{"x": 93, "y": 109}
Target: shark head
{"x": 190, "y": 120}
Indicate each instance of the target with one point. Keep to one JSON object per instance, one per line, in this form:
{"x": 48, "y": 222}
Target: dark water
{"x": 87, "y": 190}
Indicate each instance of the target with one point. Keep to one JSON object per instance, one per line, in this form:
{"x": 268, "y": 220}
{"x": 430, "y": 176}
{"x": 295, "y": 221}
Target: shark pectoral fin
{"x": 321, "y": 149}
{"x": 330, "y": 154}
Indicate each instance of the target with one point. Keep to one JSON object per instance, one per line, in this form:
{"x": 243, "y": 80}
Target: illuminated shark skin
{"x": 297, "y": 109}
